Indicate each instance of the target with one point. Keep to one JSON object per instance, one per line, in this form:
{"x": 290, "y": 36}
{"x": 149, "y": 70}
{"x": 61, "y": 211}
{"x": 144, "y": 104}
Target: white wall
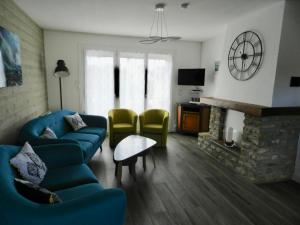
{"x": 212, "y": 51}
{"x": 70, "y": 47}
{"x": 289, "y": 58}
{"x": 259, "y": 89}
{"x": 288, "y": 65}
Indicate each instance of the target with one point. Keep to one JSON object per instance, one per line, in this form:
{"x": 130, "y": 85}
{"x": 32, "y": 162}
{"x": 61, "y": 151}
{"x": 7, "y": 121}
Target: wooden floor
{"x": 187, "y": 187}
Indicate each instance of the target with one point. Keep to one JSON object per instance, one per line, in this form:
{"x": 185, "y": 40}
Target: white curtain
{"x": 132, "y": 81}
{"x": 99, "y": 82}
{"x": 159, "y": 81}
{"x": 2, "y": 72}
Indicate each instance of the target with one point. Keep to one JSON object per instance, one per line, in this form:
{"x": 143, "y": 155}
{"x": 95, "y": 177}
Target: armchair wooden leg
{"x": 101, "y": 148}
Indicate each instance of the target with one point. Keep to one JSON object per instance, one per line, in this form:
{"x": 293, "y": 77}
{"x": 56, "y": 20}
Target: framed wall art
{"x": 10, "y": 59}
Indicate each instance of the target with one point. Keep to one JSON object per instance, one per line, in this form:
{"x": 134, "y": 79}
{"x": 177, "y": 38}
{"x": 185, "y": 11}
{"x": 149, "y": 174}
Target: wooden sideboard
{"x": 193, "y": 118}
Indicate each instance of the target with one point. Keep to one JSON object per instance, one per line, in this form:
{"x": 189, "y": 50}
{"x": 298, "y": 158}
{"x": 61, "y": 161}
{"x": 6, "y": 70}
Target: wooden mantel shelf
{"x": 251, "y": 109}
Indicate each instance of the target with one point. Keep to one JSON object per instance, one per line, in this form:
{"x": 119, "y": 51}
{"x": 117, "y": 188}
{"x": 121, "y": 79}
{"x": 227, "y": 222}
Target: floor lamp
{"x": 61, "y": 71}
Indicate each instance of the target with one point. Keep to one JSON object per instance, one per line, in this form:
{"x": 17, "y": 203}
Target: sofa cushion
{"x": 79, "y": 191}
{"x": 101, "y": 132}
{"x": 123, "y": 127}
{"x": 66, "y": 177}
{"x": 153, "y": 128}
{"x": 35, "y": 193}
{"x": 92, "y": 138}
{"x": 87, "y": 149}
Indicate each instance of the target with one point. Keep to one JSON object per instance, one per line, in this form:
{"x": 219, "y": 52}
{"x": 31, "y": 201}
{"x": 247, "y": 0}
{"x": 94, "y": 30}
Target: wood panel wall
{"x": 22, "y": 103}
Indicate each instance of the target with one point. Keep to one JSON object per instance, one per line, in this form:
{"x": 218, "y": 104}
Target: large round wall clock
{"x": 245, "y": 56}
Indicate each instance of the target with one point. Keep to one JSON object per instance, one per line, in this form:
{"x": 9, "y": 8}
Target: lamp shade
{"x": 61, "y": 70}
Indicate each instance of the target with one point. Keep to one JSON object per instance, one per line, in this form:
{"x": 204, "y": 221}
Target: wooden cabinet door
{"x": 190, "y": 122}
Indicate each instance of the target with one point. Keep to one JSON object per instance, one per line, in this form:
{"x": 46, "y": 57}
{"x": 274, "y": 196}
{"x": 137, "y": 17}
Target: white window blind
{"x": 159, "y": 81}
{"x": 99, "y": 86}
{"x": 132, "y": 81}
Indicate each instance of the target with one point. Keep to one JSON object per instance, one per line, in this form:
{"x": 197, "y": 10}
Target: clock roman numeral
{"x": 251, "y": 37}
{"x": 231, "y": 68}
{"x": 256, "y": 44}
{"x": 254, "y": 64}
{"x": 245, "y": 36}
{"x": 257, "y": 54}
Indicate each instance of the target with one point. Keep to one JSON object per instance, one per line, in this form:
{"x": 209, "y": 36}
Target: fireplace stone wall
{"x": 217, "y": 122}
{"x": 268, "y": 147}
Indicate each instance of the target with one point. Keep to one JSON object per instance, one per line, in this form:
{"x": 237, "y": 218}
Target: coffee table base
{"x": 144, "y": 154}
{"x": 131, "y": 165}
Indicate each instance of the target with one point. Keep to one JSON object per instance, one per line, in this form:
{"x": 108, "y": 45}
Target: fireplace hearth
{"x": 268, "y": 148}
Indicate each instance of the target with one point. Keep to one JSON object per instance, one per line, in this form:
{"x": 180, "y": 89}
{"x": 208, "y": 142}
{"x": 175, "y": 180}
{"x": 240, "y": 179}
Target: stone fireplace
{"x": 268, "y": 148}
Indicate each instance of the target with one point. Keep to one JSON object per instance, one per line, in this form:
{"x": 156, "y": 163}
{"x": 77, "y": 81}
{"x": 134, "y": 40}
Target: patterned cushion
{"x": 35, "y": 193}
{"x": 48, "y": 134}
{"x": 75, "y": 121}
{"x": 29, "y": 164}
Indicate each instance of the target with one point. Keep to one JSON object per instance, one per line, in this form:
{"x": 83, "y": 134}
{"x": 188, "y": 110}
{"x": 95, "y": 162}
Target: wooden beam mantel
{"x": 251, "y": 109}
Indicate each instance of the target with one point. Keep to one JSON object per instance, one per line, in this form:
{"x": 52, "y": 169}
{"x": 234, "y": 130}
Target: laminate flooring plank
{"x": 287, "y": 193}
{"x": 177, "y": 215}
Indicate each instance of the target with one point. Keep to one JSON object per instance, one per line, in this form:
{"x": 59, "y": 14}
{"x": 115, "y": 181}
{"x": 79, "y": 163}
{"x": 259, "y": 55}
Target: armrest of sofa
{"x": 94, "y": 121}
{"x": 43, "y": 141}
{"x": 59, "y": 155}
{"x": 107, "y": 207}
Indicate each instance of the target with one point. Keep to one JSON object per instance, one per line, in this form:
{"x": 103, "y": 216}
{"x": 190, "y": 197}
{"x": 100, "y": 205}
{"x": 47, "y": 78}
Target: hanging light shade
{"x": 159, "y": 28}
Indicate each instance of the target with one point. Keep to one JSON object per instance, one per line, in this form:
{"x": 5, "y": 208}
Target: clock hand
{"x": 243, "y": 64}
{"x": 244, "y": 44}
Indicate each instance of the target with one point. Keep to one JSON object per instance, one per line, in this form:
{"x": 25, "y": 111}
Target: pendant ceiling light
{"x": 159, "y": 28}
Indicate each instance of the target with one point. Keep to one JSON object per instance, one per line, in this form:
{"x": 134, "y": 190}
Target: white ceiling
{"x": 202, "y": 20}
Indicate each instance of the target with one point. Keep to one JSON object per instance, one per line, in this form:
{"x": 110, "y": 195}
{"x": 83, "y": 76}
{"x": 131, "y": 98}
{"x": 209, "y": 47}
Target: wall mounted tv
{"x": 194, "y": 77}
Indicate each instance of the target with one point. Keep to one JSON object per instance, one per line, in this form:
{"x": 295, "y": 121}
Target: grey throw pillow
{"x": 48, "y": 134}
{"x": 75, "y": 121}
{"x": 29, "y": 165}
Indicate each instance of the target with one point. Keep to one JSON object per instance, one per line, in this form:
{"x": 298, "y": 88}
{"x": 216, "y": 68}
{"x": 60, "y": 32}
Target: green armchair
{"x": 154, "y": 125}
{"x": 122, "y": 123}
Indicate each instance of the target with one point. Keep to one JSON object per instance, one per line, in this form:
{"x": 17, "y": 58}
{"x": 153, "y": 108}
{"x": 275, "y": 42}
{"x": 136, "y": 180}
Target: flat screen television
{"x": 194, "y": 77}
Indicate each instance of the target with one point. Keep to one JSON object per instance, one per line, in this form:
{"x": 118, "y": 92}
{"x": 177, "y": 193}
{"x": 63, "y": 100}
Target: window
{"x": 99, "y": 78}
{"x": 159, "y": 81}
{"x": 100, "y": 69}
{"x": 132, "y": 79}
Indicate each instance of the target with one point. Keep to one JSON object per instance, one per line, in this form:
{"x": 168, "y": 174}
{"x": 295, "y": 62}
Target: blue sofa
{"x": 89, "y": 138}
{"x": 84, "y": 200}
